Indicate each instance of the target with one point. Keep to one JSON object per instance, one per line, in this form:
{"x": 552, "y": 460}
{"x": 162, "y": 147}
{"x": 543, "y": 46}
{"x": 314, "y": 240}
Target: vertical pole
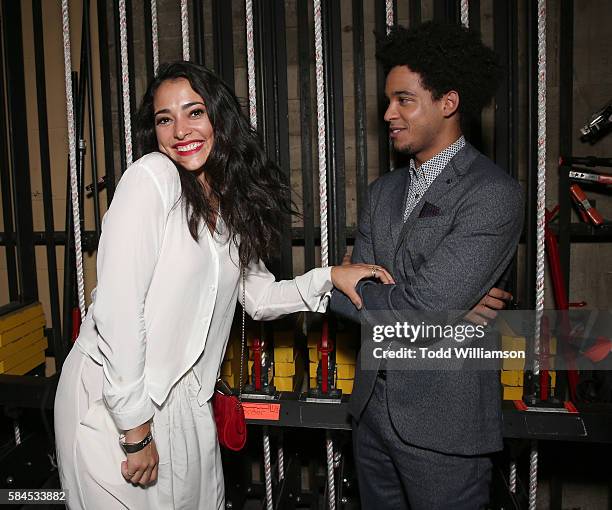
{"x": 45, "y": 168}
{"x": 20, "y": 166}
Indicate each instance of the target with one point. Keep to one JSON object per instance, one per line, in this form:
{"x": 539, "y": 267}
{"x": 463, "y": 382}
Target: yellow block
{"x": 28, "y": 364}
{"x": 284, "y": 354}
{"x": 513, "y": 392}
{"x": 313, "y": 382}
{"x": 345, "y": 371}
{"x": 344, "y": 355}
{"x": 342, "y": 371}
{"x": 313, "y": 355}
{"x": 345, "y": 385}
{"x": 14, "y": 319}
{"x": 284, "y": 383}
{"x": 512, "y": 377}
{"x": 18, "y": 345}
{"x": 21, "y": 356}
{"x": 22, "y": 330}
{"x": 282, "y": 369}
{"x": 312, "y": 368}
{"x": 513, "y": 364}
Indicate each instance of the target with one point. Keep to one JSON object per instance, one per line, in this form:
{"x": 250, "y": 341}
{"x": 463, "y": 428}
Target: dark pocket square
{"x": 428, "y": 210}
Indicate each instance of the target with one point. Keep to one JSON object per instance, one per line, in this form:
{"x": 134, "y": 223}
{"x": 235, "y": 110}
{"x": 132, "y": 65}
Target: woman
{"x": 203, "y": 203}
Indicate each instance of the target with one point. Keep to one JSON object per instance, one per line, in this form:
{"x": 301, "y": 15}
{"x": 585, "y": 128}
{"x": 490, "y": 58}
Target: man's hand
{"x": 140, "y": 467}
{"x": 346, "y": 277}
{"x": 486, "y": 309}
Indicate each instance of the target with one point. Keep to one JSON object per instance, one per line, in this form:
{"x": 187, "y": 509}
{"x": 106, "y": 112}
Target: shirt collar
{"x": 431, "y": 168}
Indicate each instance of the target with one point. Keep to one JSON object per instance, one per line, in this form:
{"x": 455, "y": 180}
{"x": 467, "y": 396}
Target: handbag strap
{"x": 242, "y": 339}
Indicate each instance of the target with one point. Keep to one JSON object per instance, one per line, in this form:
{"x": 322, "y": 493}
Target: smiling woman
{"x": 183, "y": 129}
{"x": 133, "y": 406}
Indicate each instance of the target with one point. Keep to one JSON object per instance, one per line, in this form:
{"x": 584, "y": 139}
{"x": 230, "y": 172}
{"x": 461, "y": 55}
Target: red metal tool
{"x": 325, "y": 347}
{"x": 583, "y": 202}
{"x": 257, "y": 348}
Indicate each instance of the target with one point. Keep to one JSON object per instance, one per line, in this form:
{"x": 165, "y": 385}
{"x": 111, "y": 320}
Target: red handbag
{"x": 227, "y": 408}
{"x": 229, "y": 417}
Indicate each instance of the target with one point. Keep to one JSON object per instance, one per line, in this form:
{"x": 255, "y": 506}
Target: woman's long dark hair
{"x": 253, "y": 195}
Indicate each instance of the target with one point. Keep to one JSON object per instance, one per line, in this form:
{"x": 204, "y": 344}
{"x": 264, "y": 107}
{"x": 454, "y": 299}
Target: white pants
{"x": 190, "y": 472}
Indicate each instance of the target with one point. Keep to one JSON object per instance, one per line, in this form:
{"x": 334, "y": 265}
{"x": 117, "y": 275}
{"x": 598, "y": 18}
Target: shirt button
{"x": 213, "y": 288}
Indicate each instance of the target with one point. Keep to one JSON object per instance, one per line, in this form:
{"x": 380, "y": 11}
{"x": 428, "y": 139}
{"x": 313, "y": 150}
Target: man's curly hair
{"x": 447, "y": 57}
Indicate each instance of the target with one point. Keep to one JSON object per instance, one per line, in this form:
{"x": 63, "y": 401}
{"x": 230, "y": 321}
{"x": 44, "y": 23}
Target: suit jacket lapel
{"x": 449, "y": 177}
{"x": 397, "y": 205}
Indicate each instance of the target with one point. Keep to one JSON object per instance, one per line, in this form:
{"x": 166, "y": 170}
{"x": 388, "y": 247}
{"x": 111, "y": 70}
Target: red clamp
{"x": 585, "y": 206}
{"x": 257, "y": 348}
{"x": 325, "y": 347}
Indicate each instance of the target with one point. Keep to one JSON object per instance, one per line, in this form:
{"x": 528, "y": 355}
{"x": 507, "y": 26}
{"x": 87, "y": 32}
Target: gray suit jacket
{"x": 446, "y": 256}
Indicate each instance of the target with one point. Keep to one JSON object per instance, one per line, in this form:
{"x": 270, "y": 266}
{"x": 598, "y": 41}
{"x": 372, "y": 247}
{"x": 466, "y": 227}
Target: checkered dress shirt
{"x": 422, "y": 177}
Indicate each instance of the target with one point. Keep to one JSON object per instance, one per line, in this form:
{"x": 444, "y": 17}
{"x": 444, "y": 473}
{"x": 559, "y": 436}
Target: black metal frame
{"x": 334, "y": 129}
{"x": 223, "y": 45}
{"x": 19, "y": 159}
{"x": 505, "y": 149}
{"x": 45, "y": 165}
{"x": 198, "y": 31}
{"x": 107, "y": 116}
{"x": 566, "y": 101}
{"x": 384, "y": 153}
{"x": 532, "y": 161}
{"x": 361, "y": 129}
{"x": 272, "y": 103}
{"x": 306, "y": 145}
{"x": 5, "y": 184}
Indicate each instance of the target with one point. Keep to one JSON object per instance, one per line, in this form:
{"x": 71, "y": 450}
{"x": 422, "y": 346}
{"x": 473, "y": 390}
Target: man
{"x": 446, "y": 228}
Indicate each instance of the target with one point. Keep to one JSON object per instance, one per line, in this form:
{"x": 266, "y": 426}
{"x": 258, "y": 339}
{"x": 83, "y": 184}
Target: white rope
{"x": 17, "y": 432}
{"x": 331, "y": 483}
{"x": 74, "y": 186}
{"x": 540, "y": 246}
{"x": 541, "y": 205}
{"x": 251, "y": 63}
{"x": 533, "y": 475}
{"x": 512, "y": 481}
{"x": 320, "y": 81}
{"x": 253, "y": 118}
{"x": 185, "y": 28}
{"x": 267, "y": 469}
{"x": 154, "y": 36}
{"x": 390, "y": 19}
{"x": 125, "y": 81}
{"x": 465, "y": 13}
{"x": 281, "y": 462}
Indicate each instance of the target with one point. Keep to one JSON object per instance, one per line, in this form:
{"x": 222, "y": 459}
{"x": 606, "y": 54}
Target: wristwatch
{"x": 135, "y": 447}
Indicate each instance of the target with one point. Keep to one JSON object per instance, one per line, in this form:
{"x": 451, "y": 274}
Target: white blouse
{"x": 165, "y": 303}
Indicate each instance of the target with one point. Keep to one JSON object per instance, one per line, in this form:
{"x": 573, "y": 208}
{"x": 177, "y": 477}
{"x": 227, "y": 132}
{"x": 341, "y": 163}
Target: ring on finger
{"x": 374, "y": 270}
